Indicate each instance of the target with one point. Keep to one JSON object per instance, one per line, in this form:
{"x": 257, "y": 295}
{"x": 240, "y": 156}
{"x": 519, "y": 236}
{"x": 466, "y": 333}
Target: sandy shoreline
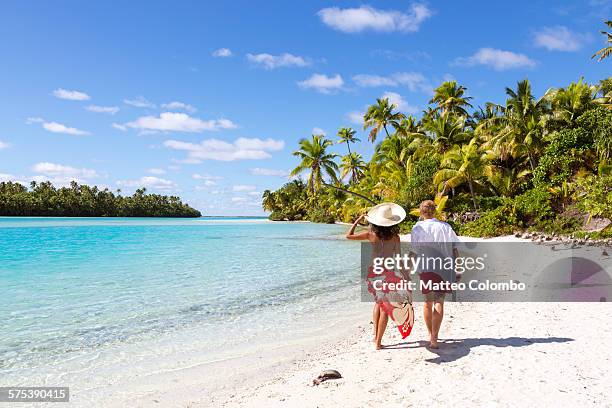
{"x": 503, "y": 354}
{"x": 510, "y": 354}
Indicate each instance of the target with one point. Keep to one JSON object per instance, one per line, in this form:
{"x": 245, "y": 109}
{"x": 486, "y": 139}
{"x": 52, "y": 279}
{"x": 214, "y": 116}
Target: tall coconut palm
{"x": 449, "y": 98}
{"x": 347, "y": 135}
{"x": 461, "y": 165}
{"x": 606, "y": 51}
{"x": 521, "y": 129}
{"x": 380, "y": 116}
{"x": 317, "y": 159}
{"x": 354, "y": 165}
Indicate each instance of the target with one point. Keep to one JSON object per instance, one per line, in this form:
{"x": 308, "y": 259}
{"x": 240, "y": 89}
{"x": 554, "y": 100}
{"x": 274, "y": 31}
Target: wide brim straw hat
{"x": 386, "y": 214}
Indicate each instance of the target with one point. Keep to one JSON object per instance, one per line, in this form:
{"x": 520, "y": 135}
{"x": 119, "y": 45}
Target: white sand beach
{"x": 508, "y": 354}
{"x": 502, "y": 354}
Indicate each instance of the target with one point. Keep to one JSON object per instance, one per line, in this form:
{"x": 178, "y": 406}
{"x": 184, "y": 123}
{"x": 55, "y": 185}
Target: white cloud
{"x": 255, "y": 193}
{"x": 4, "y": 145}
{"x": 499, "y": 60}
{"x": 179, "y": 122}
{"x": 322, "y": 83}
{"x": 103, "y": 109}
{"x": 559, "y": 38}
{"x": 414, "y": 81}
{"x": 4, "y": 177}
{"x": 318, "y": 131}
{"x": 179, "y": 106}
{"x": 215, "y": 149}
{"x": 258, "y": 171}
{"x": 70, "y": 95}
{"x": 151, "y": 182}
{"x": 61, "y": 174}
{"x": 59, "y": 128}
{"x": 366, "y": 80}
{"x": 119, "y": 126}
{"x": 156, "y": 171}
{"x": 238, "y": 199}
{"x": 353, "y": 20}
{"x": 32, "y": 119}
{"x": 400, "y": 102}
{"x": 269, "y": 61}
{"x": 139, "y": 102}
{"x": 205, "y": 177}
{"x": 243, "y": 187}
{"x": 222, "y": 53}
{"x": 355, "y": 117}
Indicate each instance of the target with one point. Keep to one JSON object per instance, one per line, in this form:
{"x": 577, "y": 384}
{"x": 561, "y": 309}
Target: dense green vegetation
{"x": 43, "y": 199}
{"x": 542, "y": 164}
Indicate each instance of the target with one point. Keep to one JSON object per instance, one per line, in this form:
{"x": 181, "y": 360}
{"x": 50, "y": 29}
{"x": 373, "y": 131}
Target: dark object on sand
{"x": 326, "y": 375}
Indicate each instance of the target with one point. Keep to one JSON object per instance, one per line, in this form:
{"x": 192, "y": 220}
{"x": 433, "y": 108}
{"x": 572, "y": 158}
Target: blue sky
{"x": 207, "y": 100}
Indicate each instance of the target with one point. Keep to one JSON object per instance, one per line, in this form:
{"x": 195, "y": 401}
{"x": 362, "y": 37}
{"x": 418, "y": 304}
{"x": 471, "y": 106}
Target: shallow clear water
{"x": 82, "y": 297}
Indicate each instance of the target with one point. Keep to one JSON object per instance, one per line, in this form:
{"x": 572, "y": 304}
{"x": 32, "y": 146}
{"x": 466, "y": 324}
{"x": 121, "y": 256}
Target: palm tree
{"x": 446, "y": 131}
{"x": 268, "y": 201}
{"x": 347, "y": 135}
{"x": 450, "y": 100}
{"x": 407, "y": 127}
{"x": 315, "y": 158}
{"x": 569, "y": 103}
{"x": 605, "y": 52}
{"x": 353, "y": 163}
{"x": 461, "y": 165}
{"x": 520, "y": 127}
{"x": 380, "y": 116}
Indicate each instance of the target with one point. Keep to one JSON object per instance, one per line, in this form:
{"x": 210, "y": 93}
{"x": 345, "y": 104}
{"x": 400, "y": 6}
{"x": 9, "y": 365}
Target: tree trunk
{"x": 351, "y": 192}
{"x": 472, "y": 194}
{"x": 531, "y": 161}
{"x": 386, "y": 131}
{"x": 348, "y": 145}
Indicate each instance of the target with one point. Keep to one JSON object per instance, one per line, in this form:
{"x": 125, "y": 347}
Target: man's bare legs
{"x": 375, "y": 317}
{"x": 436, "y": 322}
{"x": 433, "y": 313}
{"x": 380, "y": 330}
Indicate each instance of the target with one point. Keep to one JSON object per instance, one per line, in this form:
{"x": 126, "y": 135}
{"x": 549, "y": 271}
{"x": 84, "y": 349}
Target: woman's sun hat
{"x": 386, "y": 214}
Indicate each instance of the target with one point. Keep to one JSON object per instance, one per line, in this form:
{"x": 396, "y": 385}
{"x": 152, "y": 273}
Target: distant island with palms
{"x": 79, "y": 200}
{"x": 540, "y": 164}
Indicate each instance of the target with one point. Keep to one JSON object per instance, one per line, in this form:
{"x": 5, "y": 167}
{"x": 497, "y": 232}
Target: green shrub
{"x": 595, "y": 196}
{"x": 319, "y": 214}
{"x": 568, "y": 151}
{"x": 499, "y": 221}
{"x": 559, "y": 225}
{"x": 420, "y": 184}
{"x": 533, "y": 206}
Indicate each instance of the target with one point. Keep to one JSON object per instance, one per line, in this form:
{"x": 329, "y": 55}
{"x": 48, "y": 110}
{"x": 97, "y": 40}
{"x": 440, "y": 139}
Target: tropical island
{"x": 43, "y": 199}
{"x": 531, "y": 164}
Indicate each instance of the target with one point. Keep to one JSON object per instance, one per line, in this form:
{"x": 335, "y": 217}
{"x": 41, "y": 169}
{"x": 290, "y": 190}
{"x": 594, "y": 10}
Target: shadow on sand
{"x": 454, "y": 349}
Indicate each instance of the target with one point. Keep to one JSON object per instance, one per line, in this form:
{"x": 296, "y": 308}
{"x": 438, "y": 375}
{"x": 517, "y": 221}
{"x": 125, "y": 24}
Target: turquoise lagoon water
{"x": 89, "y": 301}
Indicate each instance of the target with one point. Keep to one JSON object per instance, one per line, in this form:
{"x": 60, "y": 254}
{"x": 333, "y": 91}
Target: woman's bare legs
{"x": 382, "y": 325}
{"x": 375, "y": 316}
{"x": 427, "y": 312}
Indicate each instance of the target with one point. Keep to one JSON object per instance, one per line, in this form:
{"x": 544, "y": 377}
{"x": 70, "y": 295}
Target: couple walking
{"x": 383, "y": 234}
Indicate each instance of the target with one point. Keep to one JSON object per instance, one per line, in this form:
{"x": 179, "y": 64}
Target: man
{"x": 433, "y": 241}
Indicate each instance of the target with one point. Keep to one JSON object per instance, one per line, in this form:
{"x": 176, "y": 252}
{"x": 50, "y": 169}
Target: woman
{"x": 383, "y": 234}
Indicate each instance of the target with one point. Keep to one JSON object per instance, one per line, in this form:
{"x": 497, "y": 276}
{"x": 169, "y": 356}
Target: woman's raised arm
{"x": 359, "y": 237}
